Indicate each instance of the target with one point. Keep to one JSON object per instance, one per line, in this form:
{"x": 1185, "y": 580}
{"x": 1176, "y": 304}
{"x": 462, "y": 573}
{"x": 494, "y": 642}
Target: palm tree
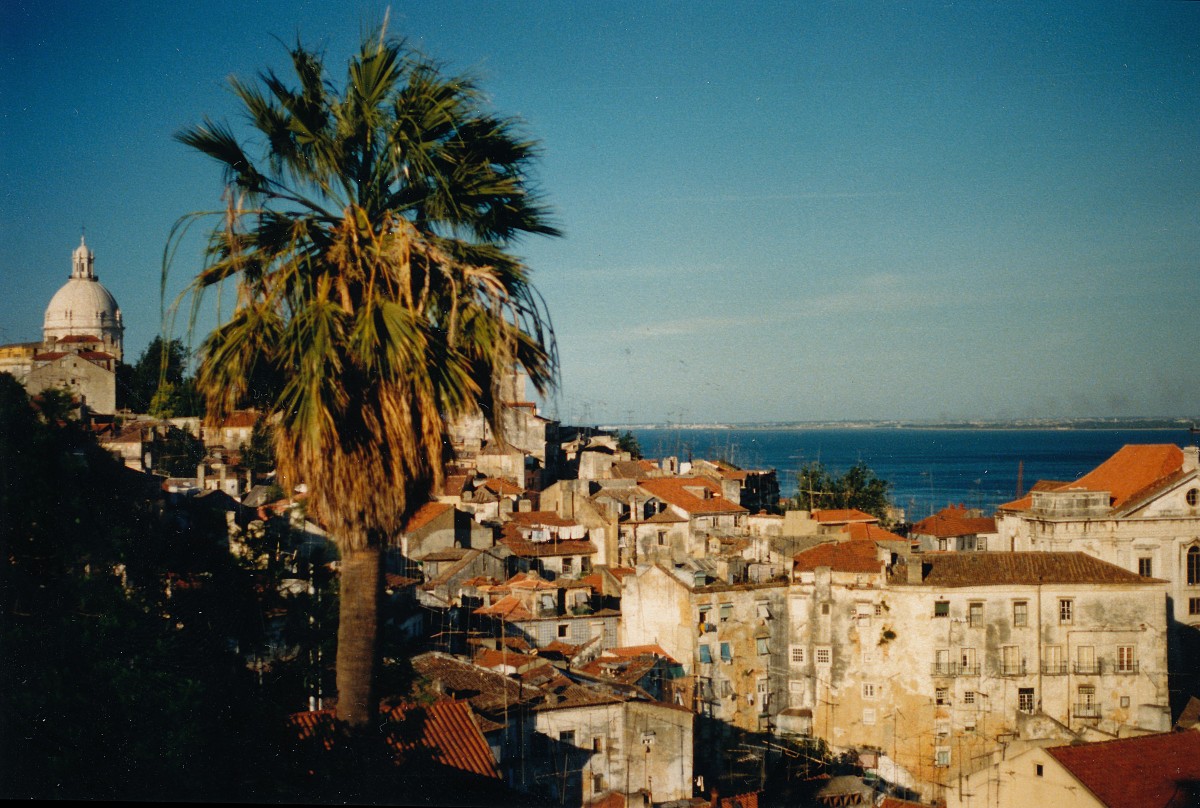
{"x": 377, "y": 297}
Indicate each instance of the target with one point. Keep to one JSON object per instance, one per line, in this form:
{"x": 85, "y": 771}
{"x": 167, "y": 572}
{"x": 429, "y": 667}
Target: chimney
{"x": 1191, "y": 458}
{"x": 914, "y": 570}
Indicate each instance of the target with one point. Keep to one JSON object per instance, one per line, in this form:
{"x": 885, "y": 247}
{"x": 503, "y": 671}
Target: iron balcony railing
{"x": 1088, "y": 668}
{"x": 954, "y": 669}
{"x": 1126, "y": 666}
{"x": 1013, "y": 668}
{"x": 1055, "y": 668}
{"x": 1087, "y": 710}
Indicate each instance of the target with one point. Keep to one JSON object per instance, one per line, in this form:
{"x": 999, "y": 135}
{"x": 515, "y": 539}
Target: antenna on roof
{"x": 1020, "y": 477}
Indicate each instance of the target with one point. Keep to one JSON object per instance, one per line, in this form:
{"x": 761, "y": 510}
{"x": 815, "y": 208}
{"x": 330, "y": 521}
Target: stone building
{"x": 82, "y": 339}
{"x": 939, "y": 661}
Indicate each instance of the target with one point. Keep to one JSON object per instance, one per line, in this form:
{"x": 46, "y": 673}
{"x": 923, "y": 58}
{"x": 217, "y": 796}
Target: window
{"x": 567, "y": 736}
{"x": 868, "y": 716}
{"x": 1125, "y": 660}
{"x": 1193, "y": 566}
{"x": 705, "y": 654}
{"x": 823, "y": 655}
{"x": 1054, "y": 661}
{"x": 868, "y": 690}
{"x": 1087, "y": 707}
{"x": 662, "y": 538}
{"x": 941, "y": 662}
{"x": 879, "y": 610}
{"x": 1038, "y": 770}
{"x": 568, "y": 565}
{"x": 941, "y": 695}
{"x": 1066, "y": 611}
{"x": 762, "y": 645}
{"x": 1025, "y": 699}
{"x": 726, "y": 612}
{"x": 563, "y": 628}
{"x": 726, "y": 652}
{"x": 1085, "y": 659}
{"x": 597, "y": 783}
{"x": 941, "y": 608}
{"x": 824, "y": 608}
{"x": 598, "y": 743}
{"x": 975, "y": 614}
{"x": 797, "y": 655}
{"x": 1193, "y": 497}
{"x": 1124, "y": 701}
{"x": 1021, "y": 613}
{"x": 1010, "y": 661}
{"x": 969, "y": 697}
{"x": 941, "y": 757}
{"x": 1146, "y": 567}
{"x": 969, "y": 668}
{"x": 1193, "y": 605}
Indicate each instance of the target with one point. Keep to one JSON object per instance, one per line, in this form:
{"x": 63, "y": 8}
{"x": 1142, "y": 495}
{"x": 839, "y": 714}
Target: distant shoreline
{"x": 1148, "y": 424}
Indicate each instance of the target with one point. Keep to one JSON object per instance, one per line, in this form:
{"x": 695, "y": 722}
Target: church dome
{"x": 83, "y": 307}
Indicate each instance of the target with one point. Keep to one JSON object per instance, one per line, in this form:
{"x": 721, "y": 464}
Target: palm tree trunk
{"x": 361, "y": 589}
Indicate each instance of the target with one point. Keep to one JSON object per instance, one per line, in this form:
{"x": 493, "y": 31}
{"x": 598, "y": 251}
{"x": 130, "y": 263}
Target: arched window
{"x": 1193, "y": 566}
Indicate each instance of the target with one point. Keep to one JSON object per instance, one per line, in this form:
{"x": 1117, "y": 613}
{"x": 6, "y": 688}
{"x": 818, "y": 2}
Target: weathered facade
{"x": 937, "y": 661}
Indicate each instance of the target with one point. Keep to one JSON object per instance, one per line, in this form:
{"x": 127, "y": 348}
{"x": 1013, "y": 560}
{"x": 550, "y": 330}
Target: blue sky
{"x": 773, "y": 211}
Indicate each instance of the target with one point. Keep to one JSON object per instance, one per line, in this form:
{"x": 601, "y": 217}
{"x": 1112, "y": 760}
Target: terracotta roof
{"x": 487, "y": 691}
{"x": 96, "y": 356}
{"x": 448, "y": 730}
{"x": 454, "y": 484}
{"x": 859, "y": 531}
{"x": 501, "y": 486}
{"x": 1133, "y": 470}
{"x": 638, "y": 650}
{"x": 663, "y": 518}
{"x": 833, "y": 516}
{"x": 945, "y": 526}
{"x": 50, "y": 356}
{"x": 240, "y": 420}
{"x": 539, "y": 518}
{"x": 73, "y": 338}
{"x": 542, "y": 549}
{"x": 509, "y": 607}
{"x": 1159, "y": 770}
{"x": 674, "y": 490}
{"x": 445, "y": 730}
{"x": 426, "y": 514}
{"x": 1002, "y": 568}
{"x": 846, "y": 556}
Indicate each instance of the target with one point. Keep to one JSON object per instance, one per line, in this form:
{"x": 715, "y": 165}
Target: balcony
{"x": 1054, "y": 668}
{"x": 1126, "y": 667}
{"x": 1086, "y": 710}
{"x": 953, "y": 669}
{"x": 1013, "y": 669}
{"x": 1087, "y": 668}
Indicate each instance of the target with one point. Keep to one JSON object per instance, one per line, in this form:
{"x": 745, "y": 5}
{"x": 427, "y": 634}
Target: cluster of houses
{"x": 615, "y": 626}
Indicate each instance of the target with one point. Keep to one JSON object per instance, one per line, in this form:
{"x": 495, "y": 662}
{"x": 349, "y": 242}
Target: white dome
{"x": 83, "y": 307}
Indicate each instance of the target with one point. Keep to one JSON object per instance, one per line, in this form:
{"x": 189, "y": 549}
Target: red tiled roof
{"x": 445, "y": 729}
{"x": 426, "y": 514}
{"x": 539, "y": 518}
{"x": 96, "y": 356}
{"x": 833, "y": 516}
{"x": 541, "y": 549}
{"x": 73, "y": 338}
{"x": 860, "y": 531}
{"x": 239, "y": 420}
{"x": 638, "y": 650}
{"x": 945, "y": 526}
{"x": 508, "y": 607}
{"x": 846, "y": 556}
{"x": 49, "y": 356}
{"x": 1159, "y": 770}
{"x": 501, "y": 486}
{"x": 1002, "y": 568}
{"x": 674, "y": 490}
{"x": 1133, "y": 470}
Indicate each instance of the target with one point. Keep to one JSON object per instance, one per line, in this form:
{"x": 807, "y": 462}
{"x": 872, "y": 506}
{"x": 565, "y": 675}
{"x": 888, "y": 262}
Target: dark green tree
{"x": 369, "y": 238}
{"x": 858, "y": 487}
{"x": 628, "y": 442}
